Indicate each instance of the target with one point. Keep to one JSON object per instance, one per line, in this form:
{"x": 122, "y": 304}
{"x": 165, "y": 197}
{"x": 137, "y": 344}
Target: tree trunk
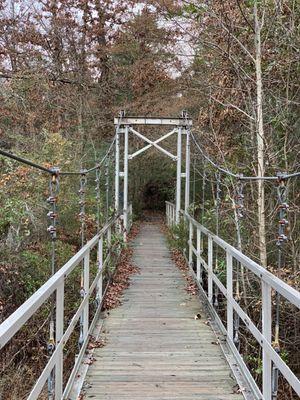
{"x": 260, "y": 143}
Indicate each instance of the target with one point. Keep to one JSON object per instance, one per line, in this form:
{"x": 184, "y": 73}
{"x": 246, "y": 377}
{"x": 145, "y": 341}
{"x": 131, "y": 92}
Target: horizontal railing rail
{"x": 268, "y": 282}
{"x": 55, "y": 286}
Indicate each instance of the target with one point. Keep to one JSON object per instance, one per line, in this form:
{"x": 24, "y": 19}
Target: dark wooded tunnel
{"x": 155, "y": 194}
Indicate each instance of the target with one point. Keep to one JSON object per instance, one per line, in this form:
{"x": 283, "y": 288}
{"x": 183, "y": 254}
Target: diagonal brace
{"x": 154, "y": 144}
{"x": 150, "y": 145}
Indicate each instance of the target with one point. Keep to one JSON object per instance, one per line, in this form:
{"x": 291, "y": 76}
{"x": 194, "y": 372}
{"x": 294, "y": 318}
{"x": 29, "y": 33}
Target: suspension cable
{"x": 25, "y": 161}
{"x": 50, "y": 170}
{"x": 102, "y": 160}
{"x": 235, "y": 175}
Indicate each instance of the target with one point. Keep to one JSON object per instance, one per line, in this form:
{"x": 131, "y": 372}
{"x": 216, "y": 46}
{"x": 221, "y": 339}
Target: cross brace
{"x": 154, "y": 143}
{"x": 151, "y": 143}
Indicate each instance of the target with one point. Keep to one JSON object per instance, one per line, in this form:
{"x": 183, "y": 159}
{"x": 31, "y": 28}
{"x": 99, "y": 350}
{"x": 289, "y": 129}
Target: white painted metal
{"x": 178, "y": 178}
{"x": 124, "y": 125}
{"x": 56, "y": 284}
{"x": 142, "y": 150}
{"x": 210, "y": 269}
{"x": 229, "y": 287}
{"x": 130, "y": 216}
{"x": 267, "y": 333}
{"x": 59, "y": 331}
{"x": 187, "y": 172}
{"x": 153, "y": 143}
{"x": 269, "y": 282}
{"x": 153, "y": 121}
{"x": 199, "y": 272}
{"x": 86, "y": 285}
{"x": 191, "y": 234}
{"x": 100, "y": 266}
{"x": 125, "y": 192}
{"x": 72, "y": 384}
{"x": 117, "y": 171}
{"x": 281, "y": 287}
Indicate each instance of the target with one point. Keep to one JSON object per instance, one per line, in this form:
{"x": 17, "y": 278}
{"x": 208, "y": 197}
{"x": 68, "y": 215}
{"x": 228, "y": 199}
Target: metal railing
{"x": 269, "y": 283}
{"x": 55, "y": 286}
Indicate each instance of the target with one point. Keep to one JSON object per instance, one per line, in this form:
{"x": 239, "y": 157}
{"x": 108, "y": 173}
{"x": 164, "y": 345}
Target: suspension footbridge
{"x": 162, "y": 342}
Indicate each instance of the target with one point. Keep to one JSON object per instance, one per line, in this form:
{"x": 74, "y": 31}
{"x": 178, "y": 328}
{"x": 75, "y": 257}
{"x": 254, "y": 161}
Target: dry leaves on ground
{"x": 180, "y": 262}
{"x": 124, "y": 270}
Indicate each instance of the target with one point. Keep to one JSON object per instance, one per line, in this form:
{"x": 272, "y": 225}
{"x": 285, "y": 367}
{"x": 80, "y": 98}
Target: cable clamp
{"x": 52, "y": 200}
{"x": 283, "y": 222}
{"x": 281, "y": 239}
{"x": 284, "y": 206}
{"x": 52, "y": 230}
{"x": 52, "y": 215}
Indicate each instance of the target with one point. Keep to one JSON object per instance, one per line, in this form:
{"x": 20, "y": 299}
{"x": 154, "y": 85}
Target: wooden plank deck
{"x": 155, "y": 348}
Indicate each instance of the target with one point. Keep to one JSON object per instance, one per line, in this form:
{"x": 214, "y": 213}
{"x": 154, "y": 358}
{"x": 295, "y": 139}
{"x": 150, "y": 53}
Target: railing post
{"x": 125, "y": 194}
{"x": 187, "y": 172}
{"x": 199, "y": 272}
{"x": 59, "y": 331}
{"x": 109, "y": 241}
{"x": 168, "y": 213}
{"x": 131, "y": 216}
{"x": 267, "y": 333}
{"x": 100, "y": 266}
{"x": 210, "y": 268}
{"x": 178, "y": 177}
{"x": 117, "y": 171}
{"x": 229, "y": 287}
{"x": 190, "y": 243}
{"x": 86, "y": 286}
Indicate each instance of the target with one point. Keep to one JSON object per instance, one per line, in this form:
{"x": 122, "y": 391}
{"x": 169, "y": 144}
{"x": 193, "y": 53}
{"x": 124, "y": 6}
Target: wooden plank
{"x": 155, "y": 349}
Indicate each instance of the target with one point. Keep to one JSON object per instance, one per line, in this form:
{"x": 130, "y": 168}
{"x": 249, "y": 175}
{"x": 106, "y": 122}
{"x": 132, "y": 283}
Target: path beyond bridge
{"x": 155, "y": 349}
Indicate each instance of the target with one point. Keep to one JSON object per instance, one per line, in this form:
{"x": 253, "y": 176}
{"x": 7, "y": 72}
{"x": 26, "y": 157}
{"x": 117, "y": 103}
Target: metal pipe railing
{"x": 56, "y": 285}
{"x": 268, "y": 282}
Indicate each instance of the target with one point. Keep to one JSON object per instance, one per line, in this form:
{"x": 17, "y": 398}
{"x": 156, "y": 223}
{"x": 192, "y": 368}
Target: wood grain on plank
{"x": 155, "y": 349}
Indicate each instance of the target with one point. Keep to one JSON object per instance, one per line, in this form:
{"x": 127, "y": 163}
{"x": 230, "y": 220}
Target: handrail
{"x": 15, "y": 321}
{"x": 277, "y": 284}
{"x": 268, "y": 282}
{"x": 56, "y": 285}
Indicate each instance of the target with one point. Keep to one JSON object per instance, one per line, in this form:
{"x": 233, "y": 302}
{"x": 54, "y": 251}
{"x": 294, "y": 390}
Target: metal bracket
{"x": 183, "y": 121}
